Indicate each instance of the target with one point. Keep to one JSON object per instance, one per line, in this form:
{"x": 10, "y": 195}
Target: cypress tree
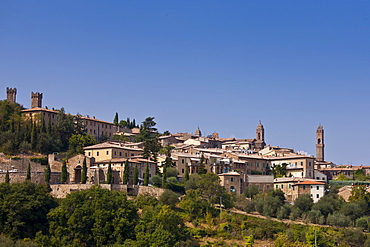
{"x": 164, "y": 178}
{"x": 7, "y": 178}
{"x": 115, "y": 120}
{"x": 109, "y": 174}
{"x": 186, "y": 176}
{"x": 47, "y": 174}
{"x": 33, "y": 135}
{"x": 146, "y": 175}
{"x": 63, "y": 176}
{"x": 136, "y": 175}
{"x": 126, "y": 173}
{"x": 28, "y": 176}
{"x": 84, "y": 172}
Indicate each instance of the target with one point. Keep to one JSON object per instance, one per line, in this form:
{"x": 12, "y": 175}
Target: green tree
{"x": 24, "y": 207}
{"x": 136, "y": 175}
{"x": 303, "y": 203}
{"x": 164, "y": 228}
{"x": 109, "y": 174}
{"x": 202, "y": 169}
{"x": 28, "y": 175}
{"x": 126, "y": 173}
{"x": 149, "y": 136}
{"x": 95, "y": 217}
{"x": 84, "y": 171}
{"x": 164, "y": 178}
{"x": 7, "y": 178}
{"x": 146, "y": 175}
{"x": 47, "y": 174}
{"x": 279, "y": 170}
{"x": 64, "y": 174}
{"x": 167, "y": 152}
{"x": 115, "y": 120}
{"x": 186, "y": 176}
{"x": 78, "y": 142}
{"x": 251, "y": 191}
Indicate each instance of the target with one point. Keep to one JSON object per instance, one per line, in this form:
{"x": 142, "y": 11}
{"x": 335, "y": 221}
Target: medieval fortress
{"x": 238, "y": 162}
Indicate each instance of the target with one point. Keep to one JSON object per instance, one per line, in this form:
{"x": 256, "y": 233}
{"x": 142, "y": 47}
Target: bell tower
{"x": 320, "y": 143}
{"x": 260, "y": 137}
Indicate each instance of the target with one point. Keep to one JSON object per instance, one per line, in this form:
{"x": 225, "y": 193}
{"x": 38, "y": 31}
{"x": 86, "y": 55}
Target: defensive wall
{"x": 62, "y": 190}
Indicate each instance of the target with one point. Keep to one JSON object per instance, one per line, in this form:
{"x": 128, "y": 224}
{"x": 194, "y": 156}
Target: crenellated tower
{"x": 11, "y": 94}
{"x": 36, "y": 100}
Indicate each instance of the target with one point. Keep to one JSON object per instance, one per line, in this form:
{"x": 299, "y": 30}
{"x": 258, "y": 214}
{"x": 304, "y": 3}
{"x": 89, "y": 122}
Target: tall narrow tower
{"x": 320, "y": 143}
{"x": 260, "y": 137}
{"x": 36, "y": 100}
{"x": 11, "y": 94}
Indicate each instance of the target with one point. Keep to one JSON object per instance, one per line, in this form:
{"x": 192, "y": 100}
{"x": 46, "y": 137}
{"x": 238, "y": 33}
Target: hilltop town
{"x": 239, "y": 163}
{"x": 71, "y": 153}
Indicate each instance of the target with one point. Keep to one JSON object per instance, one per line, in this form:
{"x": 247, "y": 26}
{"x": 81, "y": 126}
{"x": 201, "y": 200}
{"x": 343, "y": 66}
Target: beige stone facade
{"x": 111, "y": 150}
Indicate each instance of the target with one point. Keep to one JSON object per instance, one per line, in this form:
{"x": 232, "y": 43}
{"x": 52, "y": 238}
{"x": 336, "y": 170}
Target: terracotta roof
{"x": 36, "y": 109}
{"x": 309, "y": 183}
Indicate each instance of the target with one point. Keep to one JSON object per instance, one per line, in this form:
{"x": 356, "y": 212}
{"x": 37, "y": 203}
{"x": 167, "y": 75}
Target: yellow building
{"x": 111, "y": 150}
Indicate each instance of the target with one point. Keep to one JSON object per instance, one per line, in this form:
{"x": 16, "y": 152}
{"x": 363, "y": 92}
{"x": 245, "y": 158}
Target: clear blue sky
{"x": 219, "y": 65}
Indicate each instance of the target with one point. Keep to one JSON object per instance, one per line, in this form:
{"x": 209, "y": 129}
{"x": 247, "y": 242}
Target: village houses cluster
{"x": 238, "y": 162}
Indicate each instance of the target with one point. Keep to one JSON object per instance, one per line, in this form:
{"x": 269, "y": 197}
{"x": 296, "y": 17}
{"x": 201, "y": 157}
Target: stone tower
{"x": 320, "y": 143}
{"x": 260, "y": 137}
{"x": 11, "y": 94}
{"x": 36, "y": 100}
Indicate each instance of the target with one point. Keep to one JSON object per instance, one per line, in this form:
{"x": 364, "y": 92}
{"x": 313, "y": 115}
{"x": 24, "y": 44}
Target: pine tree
{"x": 186, "y": 176}
{"x": 63, "y": 176}
{"x": 136, "y": 175}
{"x": 84, "y": 172}
{"x": 164, "y": 178}
{"x": 28, "y": 176}
{"x": 7, "y": 178}
{"x": 146, "y": 175}
{"x": 109, "y": 174}
{"x": 47, "y": 174}
{"x": 126, "y": 173}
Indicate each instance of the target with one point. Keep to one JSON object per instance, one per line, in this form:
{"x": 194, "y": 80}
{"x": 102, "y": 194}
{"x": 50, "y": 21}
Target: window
{"x": 304, "y": 187}
{"x": 89, "y": 154}
{"x": 282, "y": 186}
{"x": 107, "y": 152}
{"x": 301, "y": 163}
{"x": 132, "y": 154}
{"x": 309, "y": 163}
{"x": 97, "y": 153}
{"x": 182, "y": 170}
{"x": 317, "y": 188}
{"x": 290, "y": 186}
{"x": 277, "y": 186}
{"x": 125, "y": 154}
{"x": 115, "y": 152}
{"x": 182, "y": 161}
{"x": 317, "y": 196}
{"x": 232, "y": 179}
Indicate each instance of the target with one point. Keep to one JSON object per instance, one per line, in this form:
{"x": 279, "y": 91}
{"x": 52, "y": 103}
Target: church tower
{"x": 260, "y": 137}
{"x": 11, "y": 94}
{"x": 198, "y": 132}
{"x": 36, "y": 100}
{"x": 320, "y": 143}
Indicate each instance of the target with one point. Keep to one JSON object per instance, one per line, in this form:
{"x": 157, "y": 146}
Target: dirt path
{"x": 288, "y": 222}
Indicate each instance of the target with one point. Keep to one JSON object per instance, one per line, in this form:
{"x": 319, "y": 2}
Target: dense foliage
{"x": 21, "y": 135}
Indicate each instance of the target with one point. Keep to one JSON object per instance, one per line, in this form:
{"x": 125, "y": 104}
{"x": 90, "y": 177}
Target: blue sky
{"x": 219, "y": 65}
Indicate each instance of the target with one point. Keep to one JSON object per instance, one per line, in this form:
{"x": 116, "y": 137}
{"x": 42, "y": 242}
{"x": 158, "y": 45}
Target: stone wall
{"x": 36, "y": 177}
{"x": 62, "y": 190}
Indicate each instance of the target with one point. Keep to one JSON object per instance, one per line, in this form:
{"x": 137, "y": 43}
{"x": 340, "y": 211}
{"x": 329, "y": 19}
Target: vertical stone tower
{"x": 198, "y": 132}
{"x": 11, "y": 94}
{"x": 260, "y": 137}
{"x": 320, "y": 143}
{"x": 36, "y": 100}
